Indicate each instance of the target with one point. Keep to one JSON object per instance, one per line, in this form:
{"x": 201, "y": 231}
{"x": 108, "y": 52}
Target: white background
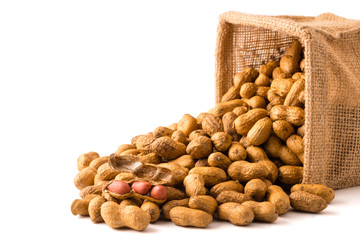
{"x": 79, "y": 76}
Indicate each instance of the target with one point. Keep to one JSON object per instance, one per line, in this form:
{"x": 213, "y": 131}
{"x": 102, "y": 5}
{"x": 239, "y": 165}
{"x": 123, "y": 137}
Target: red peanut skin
{"x": 158, "y": 192}
{"x": 119, "y": 187}
{"x": 141, "y": 187}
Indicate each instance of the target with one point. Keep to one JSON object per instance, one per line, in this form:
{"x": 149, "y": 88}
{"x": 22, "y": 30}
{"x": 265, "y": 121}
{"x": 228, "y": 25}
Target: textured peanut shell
{"x": 237, "y": 152}
{"x": 105, "y": 173}
{"x": 221, "y": 141}
{"x": 179, "y": 136}
{"x": 95, "y": 208}
{"x": 301, "y": 131}
{"x": 260, "y": 132}
{"x": 289, "y": 65}
{"x": 248, "y": 90}
{"x": 178, "y": 172}
{"x": 174, "y": 193}
{"x": 152, "y": 209}
{"x": 197, "y": 133}
{"x": 145, "y": 141}
{"x": 232, "y": 196}
{"x": 85, "y": 178}
{"x": 268, "y": 68}
{"x": 221, "y": 108}
{"x": 235, "y": 213}
{"x": 168, "y": 148}
{"x": 279, "y": 198}
{"x": 275, "y": 149}
{"x": 294, "y": 115}
{"x": 244, "y": 171}
{"x": 226, "y": 186}
{"x": 320, "y": 190}
{"x": 200, "y": 147}
{"x": 256, "y": 188}
{"x": 279, "y": 73}
{"x": 281, "y": 86}
{"x": 244, "y": 122}
{"x": 97, "y": 162}
{"x": 219, "y": 160}
{"x": 231, "y": 94}
{"x": 263, "y": 211}
{"x": 256, "y": 102}
{"x": 212, "y": 124}
{"x": 187, "y": 124}
{"x": 194, "y": 185}
{"x": 240, "y": 110}
{"x": 171, "y": 204}
{"x": 85, "y": 159}
{"x": 160, "y": 132}
{"x": 293, "y": 97}
{"x": 262, "y": 80}
{"x": 283, "y": 129}
{"x": 229, "y": 126}
{"x": 81, "y": 206}
{"x": 274, "y": 98}
{"x": 290, "y": 174}
{"x": 93, "y": 189}
{"x": 247, "y": 75}
{"x": 295, "y": 144}
{"x": 185, "y": 160}
{"x": 183, "y": 216}
{"x": 202, "y": 163}
{"x": 123, "y": 148}
{"x": 307, "y": 202}
{"x": 205, "y": 203}
{"x": 211, "y": 175}
{"x": 127, "y": 216}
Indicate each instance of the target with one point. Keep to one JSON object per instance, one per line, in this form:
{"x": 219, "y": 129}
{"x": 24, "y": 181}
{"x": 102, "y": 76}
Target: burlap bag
{"x": 332, "y": 51}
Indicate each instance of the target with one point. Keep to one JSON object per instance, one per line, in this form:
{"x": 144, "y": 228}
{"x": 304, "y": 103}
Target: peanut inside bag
{"x": 332, "y": 112}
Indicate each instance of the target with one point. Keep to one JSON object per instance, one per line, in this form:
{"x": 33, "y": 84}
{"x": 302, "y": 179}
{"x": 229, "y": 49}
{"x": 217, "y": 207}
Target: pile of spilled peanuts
{"x": 241, "y": 161}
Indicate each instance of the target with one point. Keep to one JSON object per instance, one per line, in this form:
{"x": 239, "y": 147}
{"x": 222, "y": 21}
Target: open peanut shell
{"x": 131, "y": 194}
{"x": 147, "y": 172}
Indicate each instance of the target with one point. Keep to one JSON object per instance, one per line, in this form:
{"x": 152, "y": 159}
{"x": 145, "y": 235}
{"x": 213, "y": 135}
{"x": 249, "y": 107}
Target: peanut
{"x": 235, "y": 213}
{"x": 179, "y": 136}
{"x": 247, "y": 75}
{"x": 124, "y": 147}
{"x": 116, "y": 216}
{"x": 320, "y": 190}
{"x": 263, "y": 211}
{"x": 221, "y": 108}
{"x": 256, "y": 102}
{"x": 307, "y": 202}
{"x": 244, "y": 122}
{"x": 232, "y": 196}
{"x": 187, "y": 124}
{"x": 95, "y": 208}
{"x": 85, "y": 159}
{"x": 260, "y": 132}
{"x": 279, "y": 198}
{"x": 221, "y": 141}
{"x": 152, "y": 209}
{"x": 141, "y": 187}
{"x": 203, "y": 202}
{"x": 276, "y": 149}
{"x": 81, "y": 206}
{"x": 226, "y": 186}
{"x": 194, "y": 185}
{"x": 256, "y": 188}
{"x": 183, "y": 216}
{"x": 218, "y": 159}
{"x": 294, "y": 115}
{"x": 211, "y": 175}
{"x": 174, "y": 203}
{"x": 185, "y": 160}
{"x": 244, "y": 171}
{"x": 174, "y": 193}
{"x": 212, "y": 124}
{"x": 236, "y": 152}
{"x": 199, "y": 147}
{"x": 168, "y": 148}
{"x": 283, "y": 129}
{"x": 296, "y": 145}
{"x": 290, "y": 174}
{"x": 229, "y": 126}
{"x": 85, "y": 178}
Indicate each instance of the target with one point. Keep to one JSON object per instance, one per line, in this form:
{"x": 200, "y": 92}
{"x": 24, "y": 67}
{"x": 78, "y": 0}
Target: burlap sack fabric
{"x": 332, "y": 108}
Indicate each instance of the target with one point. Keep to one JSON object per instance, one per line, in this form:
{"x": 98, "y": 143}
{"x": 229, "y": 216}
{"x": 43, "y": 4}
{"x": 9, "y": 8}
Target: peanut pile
{"x": 239, "y": 162}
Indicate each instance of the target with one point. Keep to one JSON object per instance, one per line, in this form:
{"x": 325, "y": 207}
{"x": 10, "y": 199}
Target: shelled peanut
{"x": 236, "y": 162}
